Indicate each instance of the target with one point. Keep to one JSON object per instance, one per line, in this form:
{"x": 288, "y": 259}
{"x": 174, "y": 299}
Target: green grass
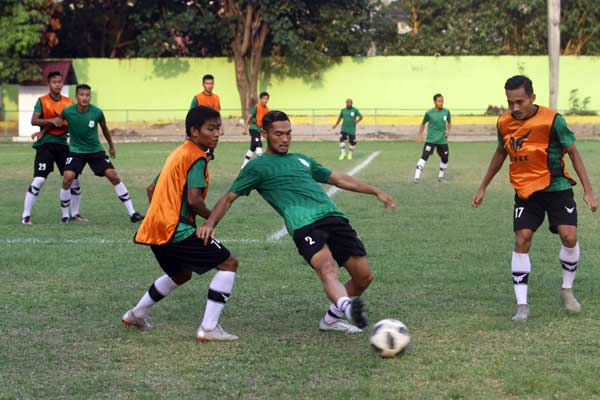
{"x": 440, "y": 266}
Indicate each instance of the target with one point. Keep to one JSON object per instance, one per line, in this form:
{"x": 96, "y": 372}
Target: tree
{"x": 580, "y": 27}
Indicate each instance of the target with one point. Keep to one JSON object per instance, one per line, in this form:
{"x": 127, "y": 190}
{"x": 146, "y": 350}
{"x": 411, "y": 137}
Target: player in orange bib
{"x": 208, "y": 99}
{"x": 536, "y": 138}
{"x": 170, "y": 229}
{"x": 254, "y": 127}
{"x": 51, "y": 146}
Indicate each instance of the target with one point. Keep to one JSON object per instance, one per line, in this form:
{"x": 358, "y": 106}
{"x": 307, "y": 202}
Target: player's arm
{"x": 248, "y": 120}
{"x": 347, "y": 182}
{"x": 151, "y": 187}
{"x": 108, "y": 137}
{"x": 337, "y": 122}
{"x": 37, "y": 120}
{"x": 448, "y": 125}
{"x": 360, "y": 117}
{"x": 420, "y": 135}
{"x": 206, "y": 231}
{"x": 495, "y": 166}
{"x": 589, "y": 196}
{"x": 41, "y": 133}
{"x": 196, "y": 202}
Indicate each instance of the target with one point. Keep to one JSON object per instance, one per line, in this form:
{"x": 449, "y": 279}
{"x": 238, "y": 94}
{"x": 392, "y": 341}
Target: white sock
{"x": 161, "y": 288}
{"x": 569, "y": 259}
{"x": 218, "y": 294}
{"x": 65, "y": 202}
{"x": 343, "y": 147}
{"x": 333, "y": 314}
{"x": 124, "y": 197}
{"x": 75, "y": 196}
{"x": 521, "y": 267}
{"x": 443, "y": 167}
{"x": 420, "y": 166}
{"x": 259, "y": 151}
{"x": 351, "y": 148}
{"x": 343, "y": 304}
{"x": 31, "y": 195}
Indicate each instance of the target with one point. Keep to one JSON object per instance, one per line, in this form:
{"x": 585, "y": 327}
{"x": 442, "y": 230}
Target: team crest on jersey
{"x": 445, "y": 118}
{"x": 517, "y": 143}
{"x": 91, "y": 124}
{"x": 304, "y": 162}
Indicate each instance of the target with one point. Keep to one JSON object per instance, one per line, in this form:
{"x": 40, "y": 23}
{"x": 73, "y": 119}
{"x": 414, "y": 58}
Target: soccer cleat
{"x": 129, "y": 319}
{"x": 217, "y": 335}
{"x": 357, "y": 312}
{"x": 342, "y": 156}
{"x": 349, "y": 156}
{"x": 415, "y": 180}
{"x": 339, "y": 325}
{"x": 522, "y": 313}
{"x": 79, "y": 218}
{"x": 136, "y": 217}
{"x": 65, "y": 220}
{"x": 26, "y": 220}
{"x": 570, "y": 302}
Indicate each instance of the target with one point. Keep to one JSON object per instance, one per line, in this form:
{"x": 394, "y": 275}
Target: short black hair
{"x": 82, "y": 86}
{"x": 519, "y": 81}
{"x": 273, "y": 116}
{"x": 435, "y": 96}
{"x": 52, "y": 74}
{"x": 197, "y": 116}
{"x": 263, "y": 94}
{"x": 208, "y": 77}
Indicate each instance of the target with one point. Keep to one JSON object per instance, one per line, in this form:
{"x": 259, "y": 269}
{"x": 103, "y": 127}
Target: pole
{"x": 553, "y": 48}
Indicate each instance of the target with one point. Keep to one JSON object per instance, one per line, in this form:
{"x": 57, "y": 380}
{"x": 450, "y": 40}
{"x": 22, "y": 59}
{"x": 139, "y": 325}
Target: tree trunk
{"x": 553, "y": 48}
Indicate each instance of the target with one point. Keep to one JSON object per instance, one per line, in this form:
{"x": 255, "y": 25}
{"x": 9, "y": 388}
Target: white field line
{"x": 96, "y": 241}
{"x": 275, "y": 236}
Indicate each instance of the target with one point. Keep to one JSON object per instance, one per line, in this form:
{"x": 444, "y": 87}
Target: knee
{"x": 113, "y": 177}
{"x": 231, "y": 264}
{"x": 523, "y": 242}
{"x": 365, "y": 280}
{"x": 569, "y": 239}
{"x": 182, "y": 277}
{"x": 327, "y": 270}
{"x": 67, "y": 182}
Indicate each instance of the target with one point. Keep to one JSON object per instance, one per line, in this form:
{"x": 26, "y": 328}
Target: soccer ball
{"x": 389, "y": 337}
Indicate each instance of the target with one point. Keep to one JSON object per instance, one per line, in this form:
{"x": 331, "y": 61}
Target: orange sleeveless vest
{"x": 53, "y": 109}
{"x": 260, "y": 113}
{"x": 164, "y": 213}
{"x": 211, "y": 101}
{"x": 527, "y": 142}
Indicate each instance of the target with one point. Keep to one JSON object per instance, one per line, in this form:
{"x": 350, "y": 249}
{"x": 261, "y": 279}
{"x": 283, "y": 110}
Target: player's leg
{"x": 427, "y": 151}
{"x": 103, "y": 167}
{"x": 42, "y": 166}
{"x": 343, "y": 138}
{"x": 61, "y": 155}
{"x": 253, "y": 141}
{"x": 74, "y": 165}
{"x": 352, "y": 143}
{"x": 443, "y": 151}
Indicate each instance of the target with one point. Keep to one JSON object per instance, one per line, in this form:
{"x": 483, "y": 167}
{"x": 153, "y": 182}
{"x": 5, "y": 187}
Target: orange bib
{"x": 260, "y": 113}
{"x": 526, "y": 142}
{"x": 53, "y": 109}
{"x": 211, "y": 101}
{"x": 164, "y": 213}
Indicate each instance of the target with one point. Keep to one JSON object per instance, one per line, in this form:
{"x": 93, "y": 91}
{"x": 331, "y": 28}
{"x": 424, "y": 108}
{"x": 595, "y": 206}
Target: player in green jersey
{"x": 350, "y": 116}
{"x": 289, "y": 182}
{"x": 85, "y": 148}
{"x": 438, "y": 128}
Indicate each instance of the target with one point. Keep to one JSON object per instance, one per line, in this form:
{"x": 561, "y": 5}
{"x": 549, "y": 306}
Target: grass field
{"x": 440, "y": 266}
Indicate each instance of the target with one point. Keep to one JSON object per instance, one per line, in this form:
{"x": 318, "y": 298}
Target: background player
{"x": 290, "y": 184}
{"x": 171, "y": 233}
{"x": 208, "y": 99}
{"x": 536, "y": 139}
{"x": 85, "y": 148}
{"x": 349, "y": 116}
{"x": 51, "y": 146}
{"x": 254, "y": 123}
{"x": 438, "y": 128}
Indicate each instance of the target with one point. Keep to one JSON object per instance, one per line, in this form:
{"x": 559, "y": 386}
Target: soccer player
{"x": 350, "y": 116}
{"x": 289, "y": 182}
{"x": 438, "y": 128}
{"x": 51, "y": 146}
{"x": 209, "y": 99}
{"x": 169, "y": 228}
{"x": 536, "y": 139}
{"x": 85, "y": 148}
{"x": 254, "y": 125}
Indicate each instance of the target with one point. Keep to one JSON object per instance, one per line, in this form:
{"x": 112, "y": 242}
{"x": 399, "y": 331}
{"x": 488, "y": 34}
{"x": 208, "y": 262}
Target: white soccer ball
{"x": 389, "y": 337}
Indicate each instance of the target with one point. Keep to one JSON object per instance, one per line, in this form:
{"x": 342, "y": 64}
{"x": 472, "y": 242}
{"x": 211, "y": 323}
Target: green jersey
{"x": 290, "y": 184}
{"x": 47, "y": 138}
{"x": 349, "y": 116}
{"x": 436, "y": 125}
{"x": 83, "y": 128}
{"x": 253, "y": 126}
{"x": 561, "y": 137}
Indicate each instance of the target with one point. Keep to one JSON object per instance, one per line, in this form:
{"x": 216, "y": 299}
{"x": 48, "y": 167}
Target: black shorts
{"x": 99, "y": 162}
{"x": 210, "y": 153}
{"x": 442, "y": 149}
{"x": 560, "y": 207}
{"x": 46, "y": 156}
{"x": 190, "y": 255}
{"x": 336, "y": 233}
{"x": 349, "y": 137}
{"x": 255, "y": 139}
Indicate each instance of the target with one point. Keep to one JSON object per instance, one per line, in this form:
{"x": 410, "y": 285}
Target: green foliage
{"x": 21, "y": 26}
{"x": 578, "y": 106}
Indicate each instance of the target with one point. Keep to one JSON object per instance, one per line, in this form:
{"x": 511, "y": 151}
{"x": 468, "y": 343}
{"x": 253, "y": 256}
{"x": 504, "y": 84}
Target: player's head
{"x": 208, "y": 83}
{"x": 264, "y": 98}
{"x": 277, "y": 130}
{"x": 520, "y": 96}
{"x": 55, "y": 82}
{"x": 203, "y": 126}
{"x": 83, "y": 93}
{"x": 438, "y": 100}
{"x": 348, "y": 103}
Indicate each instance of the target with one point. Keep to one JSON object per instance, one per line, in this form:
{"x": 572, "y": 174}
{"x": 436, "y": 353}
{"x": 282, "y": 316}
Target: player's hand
{"x": 591, "y": 200}
{"x": 419, "y": 138}
{"x": 387, "y": 200}
{"x": 205, "y": 233}
{"x": 245, "y": 131}
{"x": 478, "y": 198}
{"x": 446, "y": 133}
{"x": 112, "y": 152}
{"x": 37, "y": 136}
{"x": 56, "y": 121}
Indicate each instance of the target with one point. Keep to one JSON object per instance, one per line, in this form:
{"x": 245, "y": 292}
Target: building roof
{"x": 65, "y": 67}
